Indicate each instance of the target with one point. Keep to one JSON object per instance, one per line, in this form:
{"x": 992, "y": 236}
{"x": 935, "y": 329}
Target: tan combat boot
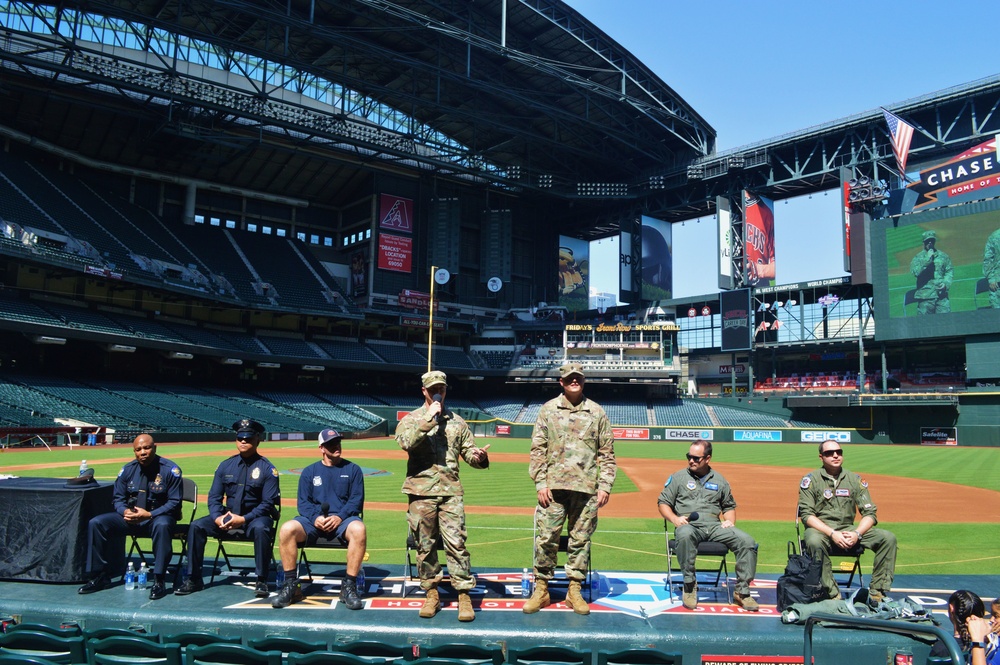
{"x": 539, "y": 599}
{"x": 432, "y": 603}
{"x": 575, "y": 599}
{"x": 465, "y": 611}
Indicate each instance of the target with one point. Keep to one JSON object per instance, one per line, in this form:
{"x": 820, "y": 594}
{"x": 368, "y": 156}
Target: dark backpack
{"x": 802, "y": 581}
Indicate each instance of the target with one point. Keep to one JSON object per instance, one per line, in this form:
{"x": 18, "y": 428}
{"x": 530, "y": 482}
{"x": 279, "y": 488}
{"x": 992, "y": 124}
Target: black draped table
{"x": 43, "y": 527}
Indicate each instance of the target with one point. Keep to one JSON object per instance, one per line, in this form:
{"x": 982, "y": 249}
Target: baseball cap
{"x": 434, "y": 378}
{"x": 247, "y": 426}
{"x": 329, "y": 435}
{"x": 929, "y": 235}
{"x": 569, "y": 369}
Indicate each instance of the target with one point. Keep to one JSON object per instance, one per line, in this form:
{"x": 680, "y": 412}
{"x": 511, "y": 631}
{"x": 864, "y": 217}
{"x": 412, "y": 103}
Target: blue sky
{"x": 762, "y": 69}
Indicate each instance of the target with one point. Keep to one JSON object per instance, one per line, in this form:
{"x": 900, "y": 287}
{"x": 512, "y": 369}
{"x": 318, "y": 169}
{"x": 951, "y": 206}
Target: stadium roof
{"x": 540, "y": 99}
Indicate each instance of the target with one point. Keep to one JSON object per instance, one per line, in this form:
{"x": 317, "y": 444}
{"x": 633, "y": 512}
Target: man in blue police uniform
{"x": 331, "y": 499}
{"x": 147, "y": 502}
{"x": 243, "y": 501}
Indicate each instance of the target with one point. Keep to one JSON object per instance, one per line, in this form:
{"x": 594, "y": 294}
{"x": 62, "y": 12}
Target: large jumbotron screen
{"x": 940, "y": 272}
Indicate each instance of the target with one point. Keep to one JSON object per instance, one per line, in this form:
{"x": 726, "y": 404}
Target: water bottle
{"x": 83, "y": 467}
{"x": 525, "y": 584}
{"x": 142, "y": 576}
{"x": 129, "y": 577}
{"x": 279, "y": 577}
{"x": 361, "y": 581}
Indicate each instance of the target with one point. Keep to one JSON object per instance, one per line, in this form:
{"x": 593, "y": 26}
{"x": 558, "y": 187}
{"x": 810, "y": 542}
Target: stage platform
{"x": 629, "y": 610}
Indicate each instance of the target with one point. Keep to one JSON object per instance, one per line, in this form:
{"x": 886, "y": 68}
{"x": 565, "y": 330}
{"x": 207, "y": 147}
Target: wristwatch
{"x": 980, "y": 645}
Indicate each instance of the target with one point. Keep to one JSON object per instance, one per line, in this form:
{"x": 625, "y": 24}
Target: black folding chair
{"x": 189, "y": 494}
{"x": 706, "y": 548}
{"x": 854, "y": 554}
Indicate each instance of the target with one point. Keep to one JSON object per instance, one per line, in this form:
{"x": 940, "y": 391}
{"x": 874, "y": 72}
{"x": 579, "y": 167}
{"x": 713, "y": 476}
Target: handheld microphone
{"x": 693, "y": 517}
{"x": 324, "y": 509}
{"x": 440, "y": 416}
{"x": 130, "y": 504}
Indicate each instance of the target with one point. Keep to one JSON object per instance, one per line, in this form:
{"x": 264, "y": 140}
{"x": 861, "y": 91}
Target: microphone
{"x": 130, "y": 504}
{"x": 693, "y": 517}
{"x": 440, "y": 416}
{"x": 324, "y": 509}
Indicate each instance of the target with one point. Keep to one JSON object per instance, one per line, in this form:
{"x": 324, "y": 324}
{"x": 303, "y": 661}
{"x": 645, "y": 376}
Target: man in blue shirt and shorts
{"x": 331, "y": 499}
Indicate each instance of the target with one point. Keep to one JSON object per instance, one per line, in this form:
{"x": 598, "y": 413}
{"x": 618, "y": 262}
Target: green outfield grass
{"x": 504, "y": 541}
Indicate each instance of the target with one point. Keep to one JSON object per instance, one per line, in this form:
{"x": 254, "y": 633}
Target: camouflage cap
{"x": 569, "y": 369}
{"x": 434, "y": 378}
{"x": 929, "y": 235}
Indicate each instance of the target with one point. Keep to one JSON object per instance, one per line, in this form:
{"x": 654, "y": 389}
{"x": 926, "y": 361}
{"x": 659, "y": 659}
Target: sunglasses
{"x": 831, "y": 453}
{"x": 573, "y": 378}
{"x": 244, "y": 437}
{"x": 695, "y": 458}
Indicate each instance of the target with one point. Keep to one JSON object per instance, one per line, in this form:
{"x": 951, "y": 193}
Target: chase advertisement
{"x": 941, "y": 273}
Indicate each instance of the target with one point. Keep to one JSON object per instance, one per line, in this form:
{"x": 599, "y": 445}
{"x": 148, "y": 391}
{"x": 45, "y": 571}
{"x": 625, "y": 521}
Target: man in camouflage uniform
{"x": 991, "y": 267}
{"x": 934, "y": 274}
{"x": 434, "y": 438}
{"x": 699, "y": 492}
{"x": 828, "y": 499}
{"x": 573, "y": 466}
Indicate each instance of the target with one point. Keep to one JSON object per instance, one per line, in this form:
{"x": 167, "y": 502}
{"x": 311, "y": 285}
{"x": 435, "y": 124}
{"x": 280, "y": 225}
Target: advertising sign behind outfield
{"x": 756, "y": 435}
{"x": 634, "y": 433}
{"x": 819, "y": 436}
{"x": 688, "y": 434}
{"x": 939, "y": 436}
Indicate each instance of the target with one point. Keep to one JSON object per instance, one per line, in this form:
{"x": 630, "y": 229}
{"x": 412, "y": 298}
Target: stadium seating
{"x": 681, "y": 413}
{"x": 347, "y": 350}
{"x": 397, "y": 354}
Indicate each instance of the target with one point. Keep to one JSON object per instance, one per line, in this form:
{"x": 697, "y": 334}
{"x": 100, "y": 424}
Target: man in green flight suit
{"x": 435, "y": 438}
{"x": 828, "y": 501}
{"x": 933, "y": 271}
{"x": 701, "y": 493}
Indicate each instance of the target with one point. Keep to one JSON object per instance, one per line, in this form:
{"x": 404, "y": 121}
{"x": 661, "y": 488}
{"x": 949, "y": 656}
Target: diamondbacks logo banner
{"x": 395, "y": 213}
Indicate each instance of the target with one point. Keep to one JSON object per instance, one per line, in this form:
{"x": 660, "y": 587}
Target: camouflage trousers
{"x": 579, "y": 512}
{"x": 428, "y": 517}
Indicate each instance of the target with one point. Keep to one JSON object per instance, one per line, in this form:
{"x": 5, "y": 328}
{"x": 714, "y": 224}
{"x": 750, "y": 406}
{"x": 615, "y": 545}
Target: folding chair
{"x": 706, "y": 548}
{"x": 324, "y": 543}
{"x": 189, "y": 494}
{"x": 240, "y": 537}
{"x": 564, "y": 548}
{"x": 853, "y": 553}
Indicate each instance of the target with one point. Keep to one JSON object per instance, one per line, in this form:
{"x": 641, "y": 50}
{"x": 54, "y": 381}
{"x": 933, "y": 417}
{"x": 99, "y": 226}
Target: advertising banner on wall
{"x": 939, "y": 436}
{"x": 725, "y": 243}
{"x": 657, "y": 260}
{"x": 395, "y": 253}
{"x": 735, "y": 314}
{"x": 574, "y": 267}
{"x": 758, "y": 246}
{"x": 395, "y": 213}
{"x": 970, "y": 176}
{"x": 359, "y": 273}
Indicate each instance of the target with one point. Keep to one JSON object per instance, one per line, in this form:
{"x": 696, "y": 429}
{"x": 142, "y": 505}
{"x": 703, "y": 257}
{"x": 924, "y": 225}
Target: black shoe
{"x": 349, "y": 595}
{"x": 261, "y": 590}
{"x": 189, "y": 586}
{"x": 290, "y": 593}
{"x": 99, "y": 583}
{"x": 157, "y": 591}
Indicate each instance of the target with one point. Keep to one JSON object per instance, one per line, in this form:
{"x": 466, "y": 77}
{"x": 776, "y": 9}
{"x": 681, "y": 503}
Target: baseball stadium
{"x": 288, "y": 212}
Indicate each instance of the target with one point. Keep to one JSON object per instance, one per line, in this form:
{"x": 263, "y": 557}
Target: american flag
{"x": 901, "y": 133}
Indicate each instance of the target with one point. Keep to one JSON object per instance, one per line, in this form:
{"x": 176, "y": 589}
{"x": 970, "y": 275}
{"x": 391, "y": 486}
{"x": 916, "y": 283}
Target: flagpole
{"x": 430, "y": 327}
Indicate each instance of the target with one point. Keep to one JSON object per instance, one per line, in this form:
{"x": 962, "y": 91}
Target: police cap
{"x": 247, "y": 427}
